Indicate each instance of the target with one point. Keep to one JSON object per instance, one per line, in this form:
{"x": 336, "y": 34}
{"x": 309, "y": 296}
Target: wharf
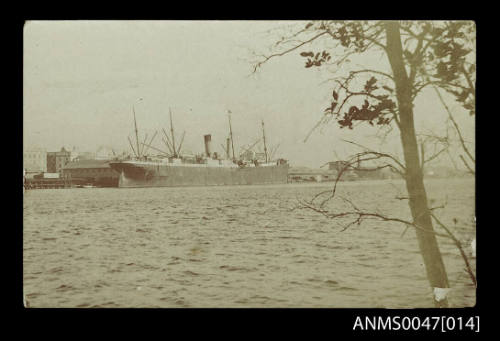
{"x": 46, "y": 183}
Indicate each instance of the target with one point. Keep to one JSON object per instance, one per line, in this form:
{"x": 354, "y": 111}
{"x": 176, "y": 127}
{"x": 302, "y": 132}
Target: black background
{"x": 236, "y": 323}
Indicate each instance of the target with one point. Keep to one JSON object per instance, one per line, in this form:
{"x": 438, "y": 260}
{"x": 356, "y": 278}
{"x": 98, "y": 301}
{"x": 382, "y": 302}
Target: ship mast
{"x": 180, "y": 144}
{"x": 172, "y": 133}
{"x": 143, "y": 144}
{"x": 136, "y": 134}
{"x": 166, "y": 140}
{"x": 131, "y": 146}
{"x": 150, "y": 142}
{"x": 264, "y": 138}
{"x": 231, "y": 133}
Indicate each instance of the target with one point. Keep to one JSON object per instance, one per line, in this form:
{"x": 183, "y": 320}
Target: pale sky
{"x": 81, "y": 79}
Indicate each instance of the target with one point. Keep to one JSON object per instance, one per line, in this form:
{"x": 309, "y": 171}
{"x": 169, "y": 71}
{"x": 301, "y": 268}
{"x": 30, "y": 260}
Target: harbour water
{"x": 235, "y": 246}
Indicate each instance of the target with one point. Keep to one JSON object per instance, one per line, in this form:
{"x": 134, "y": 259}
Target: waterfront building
{"x": 304, "y": 174}
{"x": 96, "y": 172}
{"x": 337, "y": 165}
{"x": 35, "y": 160}
{"x": 57, "y": 160}
{"x": 356, "y": 171}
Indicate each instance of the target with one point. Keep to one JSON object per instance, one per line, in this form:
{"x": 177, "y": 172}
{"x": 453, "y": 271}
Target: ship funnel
{"x": 208, "y": 140}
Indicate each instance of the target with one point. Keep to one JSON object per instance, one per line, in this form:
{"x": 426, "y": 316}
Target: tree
{"x": 420, "y": 54}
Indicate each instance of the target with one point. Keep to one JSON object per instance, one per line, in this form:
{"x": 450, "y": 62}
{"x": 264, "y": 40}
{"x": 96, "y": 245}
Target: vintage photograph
{"x": 249, "y": 164}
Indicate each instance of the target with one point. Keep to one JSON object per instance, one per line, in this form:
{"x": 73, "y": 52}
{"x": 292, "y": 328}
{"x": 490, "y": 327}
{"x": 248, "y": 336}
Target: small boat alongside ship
{"x": 86, "y": 186}
{"x": 173, "y": 169}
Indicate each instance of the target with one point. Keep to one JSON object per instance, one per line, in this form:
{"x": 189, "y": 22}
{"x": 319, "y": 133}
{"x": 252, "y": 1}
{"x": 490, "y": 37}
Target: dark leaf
{"x": 370, "y": 84}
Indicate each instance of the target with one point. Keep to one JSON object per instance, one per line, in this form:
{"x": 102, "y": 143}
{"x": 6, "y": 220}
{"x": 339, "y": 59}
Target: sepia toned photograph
{"x": 249, "y": 164}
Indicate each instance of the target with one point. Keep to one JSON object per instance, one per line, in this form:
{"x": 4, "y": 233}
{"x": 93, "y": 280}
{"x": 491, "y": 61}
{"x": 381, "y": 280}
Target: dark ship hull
{"x": 157, "y": 174}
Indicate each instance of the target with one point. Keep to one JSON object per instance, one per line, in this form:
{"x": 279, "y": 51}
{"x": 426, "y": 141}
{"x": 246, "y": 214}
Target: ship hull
{"x": 134, "y": 175}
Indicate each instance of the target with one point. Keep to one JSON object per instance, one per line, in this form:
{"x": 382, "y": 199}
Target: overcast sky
{"x": 82, "y": 78}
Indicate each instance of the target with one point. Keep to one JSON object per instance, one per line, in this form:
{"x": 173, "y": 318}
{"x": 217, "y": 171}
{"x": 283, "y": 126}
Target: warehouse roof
{"x": 88, "y": 164}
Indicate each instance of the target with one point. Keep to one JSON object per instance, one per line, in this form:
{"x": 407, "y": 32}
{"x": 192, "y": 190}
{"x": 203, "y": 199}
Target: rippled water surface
{"x": 235, "y": 246}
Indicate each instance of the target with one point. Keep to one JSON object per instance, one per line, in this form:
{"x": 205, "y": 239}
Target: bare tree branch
{"x": 467, "y": 165}
{"x": 392, "y": 157}
{"x": 359, "y": 216}
{"x": 457, "y": 128}
{"x": 459, "y": 246}
{"x": 363, "y": 71}
{"x": 434, "y": 155}
{"x": 259, "y": 64}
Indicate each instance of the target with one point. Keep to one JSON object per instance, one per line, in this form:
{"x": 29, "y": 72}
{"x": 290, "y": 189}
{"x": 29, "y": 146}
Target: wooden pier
{"x": 47, "y": 183}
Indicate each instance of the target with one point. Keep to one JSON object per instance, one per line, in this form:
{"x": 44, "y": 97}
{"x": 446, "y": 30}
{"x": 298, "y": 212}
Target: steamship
{"x": 172, "y": 169}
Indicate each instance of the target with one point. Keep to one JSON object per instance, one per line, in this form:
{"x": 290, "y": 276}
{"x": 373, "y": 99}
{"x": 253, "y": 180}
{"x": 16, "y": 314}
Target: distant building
{"x": 104, "y": 153}
{"x": 77, "y": 155}
{"x": 337, "y": 165}
{"x": 355, "y": 171}
{"x": 96, "y": 172}
{"x": 57, "y": 160}
{"x": 85, "y": 156}
{"x": 35, "y": 160}
{"x": 303, "y": 174}
{"x": 73, "y": 154}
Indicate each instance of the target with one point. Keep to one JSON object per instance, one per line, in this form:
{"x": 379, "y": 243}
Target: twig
{"x": 259, "y": 64}
{"x": 467, "y": 165}
{"x": 464, "y": 146}
{"x": 459, "y": 246}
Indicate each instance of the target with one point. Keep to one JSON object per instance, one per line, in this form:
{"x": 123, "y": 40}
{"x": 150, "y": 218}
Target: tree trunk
{"x": 427, "y": 242}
